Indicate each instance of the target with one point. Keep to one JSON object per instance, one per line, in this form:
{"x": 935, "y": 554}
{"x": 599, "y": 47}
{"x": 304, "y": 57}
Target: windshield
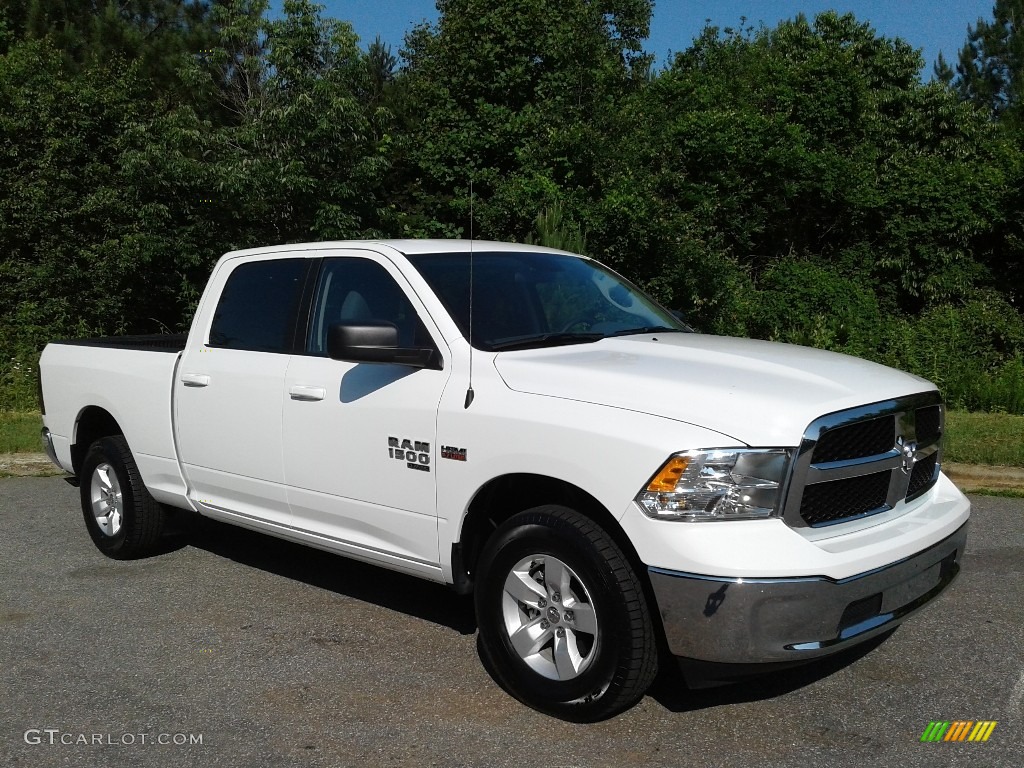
{"x": 524, "y": 300}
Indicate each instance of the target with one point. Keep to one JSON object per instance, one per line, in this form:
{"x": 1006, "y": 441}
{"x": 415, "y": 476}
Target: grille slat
{"x": 922, "y": 475}
{"x": 837, "y": 500}
{"x": 854, "y": 441}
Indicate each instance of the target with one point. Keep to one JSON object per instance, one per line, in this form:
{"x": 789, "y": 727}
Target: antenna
{"x": 469, "y": 392}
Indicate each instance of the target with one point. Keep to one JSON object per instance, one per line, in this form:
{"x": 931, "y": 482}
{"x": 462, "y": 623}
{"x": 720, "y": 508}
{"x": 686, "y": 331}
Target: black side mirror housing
{"x": 376, "y": 341}
{"x": 681, "y": 317}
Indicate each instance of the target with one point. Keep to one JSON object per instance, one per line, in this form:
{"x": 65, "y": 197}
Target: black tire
{"x": 616, "y": 663}
{"x": 110, "y": 483}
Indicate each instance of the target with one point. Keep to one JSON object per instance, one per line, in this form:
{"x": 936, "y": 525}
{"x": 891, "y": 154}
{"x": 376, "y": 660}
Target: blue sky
{"x": 932, "y": 25}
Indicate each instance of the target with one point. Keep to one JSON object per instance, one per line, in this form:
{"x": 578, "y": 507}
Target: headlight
{"x": 721, "y": 484}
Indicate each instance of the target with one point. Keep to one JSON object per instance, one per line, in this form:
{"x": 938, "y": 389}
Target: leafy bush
{"x": 805, "y": 303}
{"x": 972, "y": 351}
{"x": 19, "y": 374}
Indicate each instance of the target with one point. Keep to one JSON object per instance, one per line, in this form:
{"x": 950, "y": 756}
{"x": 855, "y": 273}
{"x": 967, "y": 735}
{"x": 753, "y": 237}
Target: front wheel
{"x": 563, "y": 618}
{"x": 123, "y": 520}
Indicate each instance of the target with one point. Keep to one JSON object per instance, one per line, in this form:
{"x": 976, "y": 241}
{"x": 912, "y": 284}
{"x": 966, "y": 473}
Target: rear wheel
{"x": 123, "y": 520}
{"x": 562, "y": 616}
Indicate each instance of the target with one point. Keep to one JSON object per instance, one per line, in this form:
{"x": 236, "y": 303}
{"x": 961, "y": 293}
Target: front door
{"x": 359, "y": 438}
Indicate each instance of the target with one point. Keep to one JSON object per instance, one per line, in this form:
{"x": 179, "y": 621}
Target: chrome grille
{"x": 866, "y": 460}
{"x": 862, "y": 438}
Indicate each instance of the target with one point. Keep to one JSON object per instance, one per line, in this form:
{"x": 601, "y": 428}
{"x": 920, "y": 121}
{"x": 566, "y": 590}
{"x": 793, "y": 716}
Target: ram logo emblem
{"x": 909, "y": 451}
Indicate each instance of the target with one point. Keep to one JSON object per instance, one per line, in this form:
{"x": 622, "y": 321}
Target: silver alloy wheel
{"x": 550, "y": 617}
{"x": 107, "y": 500}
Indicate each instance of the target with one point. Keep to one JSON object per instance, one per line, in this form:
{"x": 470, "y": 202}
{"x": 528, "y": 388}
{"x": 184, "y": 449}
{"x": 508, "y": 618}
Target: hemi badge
{"x": 453, "y": 453}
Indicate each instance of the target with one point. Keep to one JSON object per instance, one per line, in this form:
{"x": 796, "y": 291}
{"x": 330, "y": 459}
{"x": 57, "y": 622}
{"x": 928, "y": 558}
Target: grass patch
{"x": 984, "y": 438}
{"x": 19, "y": 432}
{"x": 1006, "y": 493}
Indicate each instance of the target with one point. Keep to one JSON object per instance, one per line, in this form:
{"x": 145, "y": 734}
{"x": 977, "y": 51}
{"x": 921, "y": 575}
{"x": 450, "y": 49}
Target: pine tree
{"x": 989, "y": 71}
{"x": 154, "y": 32}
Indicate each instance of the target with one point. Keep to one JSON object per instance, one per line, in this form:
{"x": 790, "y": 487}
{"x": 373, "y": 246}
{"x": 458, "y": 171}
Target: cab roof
{"x": 404, "y": 246}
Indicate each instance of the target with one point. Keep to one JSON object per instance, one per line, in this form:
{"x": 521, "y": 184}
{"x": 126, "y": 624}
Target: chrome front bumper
{"x": 755, "y": 621}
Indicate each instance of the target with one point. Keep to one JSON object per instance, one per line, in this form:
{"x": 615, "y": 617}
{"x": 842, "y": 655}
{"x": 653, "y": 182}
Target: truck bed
{"x": 154, "y": 342}
{"x": 129, "y": 378}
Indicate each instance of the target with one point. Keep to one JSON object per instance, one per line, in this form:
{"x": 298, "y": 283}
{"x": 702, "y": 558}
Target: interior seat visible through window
{"x": 356, "y": 290}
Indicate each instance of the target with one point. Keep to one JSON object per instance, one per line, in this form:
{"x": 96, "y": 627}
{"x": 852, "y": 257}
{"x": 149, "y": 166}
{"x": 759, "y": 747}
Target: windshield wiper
{"x": 646, "y": 329}
{"x": 545, "y": 340}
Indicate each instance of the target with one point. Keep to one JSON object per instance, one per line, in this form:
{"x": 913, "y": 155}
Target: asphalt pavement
{"x": 234, "y": 649}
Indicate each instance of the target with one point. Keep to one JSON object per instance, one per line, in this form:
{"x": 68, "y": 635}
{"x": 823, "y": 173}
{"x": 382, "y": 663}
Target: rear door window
{"x": 258, "y": 306}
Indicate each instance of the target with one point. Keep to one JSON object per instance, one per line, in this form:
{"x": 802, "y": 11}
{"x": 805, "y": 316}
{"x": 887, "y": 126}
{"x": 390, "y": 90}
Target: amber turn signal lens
{"x": 667, "y": 478}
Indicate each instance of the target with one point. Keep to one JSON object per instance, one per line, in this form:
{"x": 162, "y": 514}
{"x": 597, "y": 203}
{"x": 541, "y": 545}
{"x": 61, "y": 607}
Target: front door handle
{"x": 307, "y": 394}
{"x": 195, "y": 379}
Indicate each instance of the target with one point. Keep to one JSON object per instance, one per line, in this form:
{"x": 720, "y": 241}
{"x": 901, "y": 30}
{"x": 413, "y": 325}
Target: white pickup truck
{"x": 526, "y": 425}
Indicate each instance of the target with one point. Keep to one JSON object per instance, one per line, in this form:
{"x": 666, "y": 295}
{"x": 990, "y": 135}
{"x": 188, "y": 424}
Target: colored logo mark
{"x": 958, "y": 730}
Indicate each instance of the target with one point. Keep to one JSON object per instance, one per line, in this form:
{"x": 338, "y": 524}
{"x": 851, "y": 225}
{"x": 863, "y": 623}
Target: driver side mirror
{"x": 376, "y": 341}
{"x": 681, "y": 317}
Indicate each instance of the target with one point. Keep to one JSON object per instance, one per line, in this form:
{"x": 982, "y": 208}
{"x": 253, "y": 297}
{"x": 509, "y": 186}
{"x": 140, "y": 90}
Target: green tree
{"x": 990, "y": 69}
{"x": 156, "y": 32}
{"x": 382, "y": 66}
{"x": 554, "y": 231}
{"x": 519, "y": 97}
{"x": 816, "y": 141}
{"x": 99, "y": 191}
{"x": 305, "y": 152}
{"x": 990, "y": 75}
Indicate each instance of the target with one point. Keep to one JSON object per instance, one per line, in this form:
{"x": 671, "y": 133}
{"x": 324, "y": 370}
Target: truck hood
{"x": 756, "y": 392}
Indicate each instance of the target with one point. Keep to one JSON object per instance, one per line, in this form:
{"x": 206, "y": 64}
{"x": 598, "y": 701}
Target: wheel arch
{"x": 93, "y": 422}
{"x": 506, "y": 495}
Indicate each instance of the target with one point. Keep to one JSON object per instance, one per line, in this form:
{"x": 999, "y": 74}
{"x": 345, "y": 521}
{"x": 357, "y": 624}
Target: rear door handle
{"x": 307, "y": 394}
{"x": 195, "y": 379}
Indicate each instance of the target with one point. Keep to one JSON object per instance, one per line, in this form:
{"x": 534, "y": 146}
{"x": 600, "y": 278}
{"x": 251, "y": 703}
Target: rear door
{"x": 229, "y": 391}
{"x": 359, "y": 438}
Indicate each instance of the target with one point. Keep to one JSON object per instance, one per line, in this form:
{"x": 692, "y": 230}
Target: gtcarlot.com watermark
{"x": 58, "y": 736}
